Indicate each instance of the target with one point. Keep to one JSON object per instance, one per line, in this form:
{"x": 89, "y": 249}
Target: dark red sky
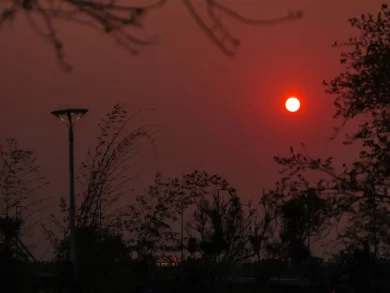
{"x": 222, "y": 114}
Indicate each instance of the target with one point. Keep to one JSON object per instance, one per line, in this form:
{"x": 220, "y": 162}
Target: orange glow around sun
{"x": 293, "y": 104}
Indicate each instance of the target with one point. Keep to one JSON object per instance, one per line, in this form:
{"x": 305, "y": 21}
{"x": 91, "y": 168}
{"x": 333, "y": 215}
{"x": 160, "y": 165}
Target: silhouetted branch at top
{"x": 119, "y": 18}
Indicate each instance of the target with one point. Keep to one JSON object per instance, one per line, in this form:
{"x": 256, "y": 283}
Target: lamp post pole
{"x": 70, "y": 117}
{"x": 100, "y": 216}
{"x": 182, "y": 230}
{"x": 219, "y": 213}
{"x": 72, "y": 206}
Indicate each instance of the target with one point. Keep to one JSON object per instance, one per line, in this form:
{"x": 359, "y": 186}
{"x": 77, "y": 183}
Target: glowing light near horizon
{"x": 293, "y": 104}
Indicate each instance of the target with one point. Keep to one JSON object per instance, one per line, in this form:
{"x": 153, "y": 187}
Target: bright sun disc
{"x": 293, "y": 104}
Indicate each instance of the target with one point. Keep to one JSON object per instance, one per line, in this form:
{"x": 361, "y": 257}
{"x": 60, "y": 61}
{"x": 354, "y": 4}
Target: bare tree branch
{"x": 121, "y": 19}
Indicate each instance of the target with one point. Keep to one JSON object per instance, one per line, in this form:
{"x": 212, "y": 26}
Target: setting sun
{"x": 292, "y": 104}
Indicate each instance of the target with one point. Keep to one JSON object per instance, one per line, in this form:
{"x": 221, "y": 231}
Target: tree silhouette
{"x": 121, "y": 19}
{"x": 223, "y": 227}
{"x": 192, "y": 246}
{"x": 303, "y": 217}
{"x": 262, "y": 229}
{"x": 149, "y": 221}
{"x": 358, "y": 190}
{"x": 10, "y": 229}
{"x": 20, "y": 202}
{"x": 362, "y": 88}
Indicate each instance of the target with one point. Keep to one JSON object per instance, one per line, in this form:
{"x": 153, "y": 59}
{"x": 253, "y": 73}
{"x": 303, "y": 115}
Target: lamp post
{"x": 182, "y": 230}
{"x": 70, "y": 117}
{"x": 219, "y": 213}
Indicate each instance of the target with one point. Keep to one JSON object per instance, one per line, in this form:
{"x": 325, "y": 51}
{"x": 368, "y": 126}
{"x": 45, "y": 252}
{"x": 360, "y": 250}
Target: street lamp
{"x": 70, "y": 117}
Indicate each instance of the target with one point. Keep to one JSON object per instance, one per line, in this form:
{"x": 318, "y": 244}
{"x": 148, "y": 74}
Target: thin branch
{"x": 116, "y": 19}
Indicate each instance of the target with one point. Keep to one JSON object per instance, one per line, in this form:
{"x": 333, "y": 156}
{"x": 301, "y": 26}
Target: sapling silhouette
{"x": 20, "y": 201}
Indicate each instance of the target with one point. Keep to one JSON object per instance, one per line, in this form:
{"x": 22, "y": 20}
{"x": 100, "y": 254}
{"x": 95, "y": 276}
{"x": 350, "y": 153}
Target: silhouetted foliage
{"x": 121, "y": 20}
{"x": 354, "y": 192}
{"x": 263, "y": 228}
{"x": 362, "y": 88}
{"x": 149, "y": 221}
{"x": 226, "y": 230}
{"x": 358, "y": 190}
{"x": 219, "y": 229}
{"x": 303, "y": 216}
{"x": 9, "y": 229}
{"x": 20, "y": 180}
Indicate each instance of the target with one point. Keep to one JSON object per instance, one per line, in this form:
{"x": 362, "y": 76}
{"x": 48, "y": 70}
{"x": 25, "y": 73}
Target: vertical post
{"x": 100, "y": 216}
{"x": 17, "y": 218}
{"x": 72, "y": 208}
{"x": 182, "y": 230}
{"x": 308, "y": 223}
{"x": 374, "y": 225}
{"x": 218, "y": 202}
{"x": 219, "y": 216}
{"x": 310, "y": 194}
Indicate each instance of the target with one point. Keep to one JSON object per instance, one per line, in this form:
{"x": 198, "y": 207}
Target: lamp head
{"x": 70, "y": 116}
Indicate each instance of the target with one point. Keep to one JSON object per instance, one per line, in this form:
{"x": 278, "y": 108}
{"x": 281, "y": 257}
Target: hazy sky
{"x": 221, "y": 114}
